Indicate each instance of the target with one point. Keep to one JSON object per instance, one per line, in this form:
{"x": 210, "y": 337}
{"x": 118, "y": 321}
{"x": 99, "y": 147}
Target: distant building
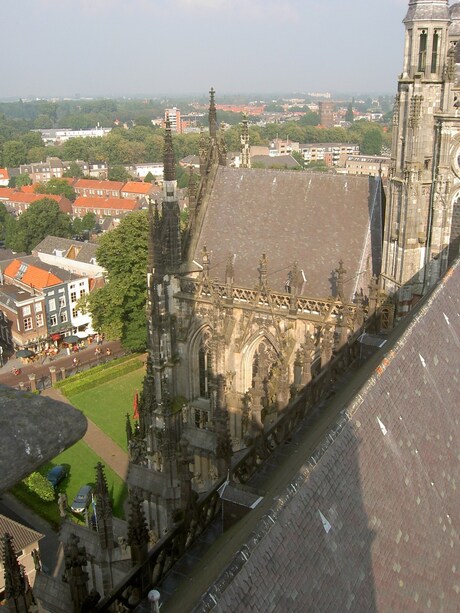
{"x": 137, "y": 190}
{"x": 282, "y": 147}
{"x": 326, "y": 114}
{"x": 102, "y": 207}
{"x": 56, "y": 136}
{"x": 19, "y": 202}
{"x": 52, "y": 168}
{"x": 331, "y": 154}
{"x": 174, "y": 119}
{"x": 90, "y": 187}
{"x": 371, "y": 165}
{"x": 4, "y": 177}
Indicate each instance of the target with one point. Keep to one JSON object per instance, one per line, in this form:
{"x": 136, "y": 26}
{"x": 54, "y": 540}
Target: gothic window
{"x": 422, "y": 51}
{"x": 434, "y": 53}
{"x": 204, "y": 367}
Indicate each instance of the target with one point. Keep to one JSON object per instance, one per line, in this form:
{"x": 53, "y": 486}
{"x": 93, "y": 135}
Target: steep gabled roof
{"x": 333, "y": 217}
{"x": 22, "y": 535}
{"x": 370, "y": 521}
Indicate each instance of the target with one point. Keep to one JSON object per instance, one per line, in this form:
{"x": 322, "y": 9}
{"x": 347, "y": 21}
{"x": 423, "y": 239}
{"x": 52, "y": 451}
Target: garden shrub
{"x": 39, "y": 485}
{"x": 99, "y": 374}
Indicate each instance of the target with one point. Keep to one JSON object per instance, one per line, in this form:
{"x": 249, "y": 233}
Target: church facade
{"x": 278, "y": 271}
{"x": 422, "y": 228}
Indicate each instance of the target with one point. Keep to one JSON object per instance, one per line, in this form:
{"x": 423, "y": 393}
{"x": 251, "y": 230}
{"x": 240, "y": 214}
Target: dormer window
{"x": 422, "y": 51}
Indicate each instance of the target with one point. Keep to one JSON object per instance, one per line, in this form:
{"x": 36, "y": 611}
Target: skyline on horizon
{"x": 153, "y": 48}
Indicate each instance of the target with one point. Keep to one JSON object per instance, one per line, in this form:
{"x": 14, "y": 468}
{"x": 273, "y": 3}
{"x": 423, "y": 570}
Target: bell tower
{"x": 420, "y": 238}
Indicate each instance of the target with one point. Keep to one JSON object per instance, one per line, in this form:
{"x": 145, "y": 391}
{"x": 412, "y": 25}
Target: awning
{"x": 56, "y": 336}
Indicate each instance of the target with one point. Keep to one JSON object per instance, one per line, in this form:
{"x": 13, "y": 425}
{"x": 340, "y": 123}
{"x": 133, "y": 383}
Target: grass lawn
{"x": 81, "y": 461}
{"x": 107, "y": 404}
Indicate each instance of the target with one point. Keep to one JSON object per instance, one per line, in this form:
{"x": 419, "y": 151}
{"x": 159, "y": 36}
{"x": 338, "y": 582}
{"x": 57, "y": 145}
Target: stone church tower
{"x": 422, "y": 218}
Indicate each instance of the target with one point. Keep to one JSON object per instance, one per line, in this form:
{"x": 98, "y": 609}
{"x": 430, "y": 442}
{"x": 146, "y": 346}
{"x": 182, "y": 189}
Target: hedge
{"x": 89, "y": 379}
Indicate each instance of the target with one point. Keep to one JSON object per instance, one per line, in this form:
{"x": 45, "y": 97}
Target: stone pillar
{"x": 53, "y": 374}
{"x": 63, "y": 372}
{"x": 21, "y": 386}
{"x": 33, "y": 383}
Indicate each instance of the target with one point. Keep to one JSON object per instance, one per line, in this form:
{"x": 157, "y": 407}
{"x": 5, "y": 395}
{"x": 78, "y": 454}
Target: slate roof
{"x": 277, "y": 161}
{"x": 370, "y": 522}
{"x": 84, "y": 252}
{"x": 22, "y": 535}
{"x": 253, "y": 211}
{"x": 33, "y": 430}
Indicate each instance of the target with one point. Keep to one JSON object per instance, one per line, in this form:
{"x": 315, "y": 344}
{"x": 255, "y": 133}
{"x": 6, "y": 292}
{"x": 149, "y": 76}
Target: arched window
{"x": 204, "y": 369}
{"x": 434, "y": 53}
{"x": 422, "y": 51}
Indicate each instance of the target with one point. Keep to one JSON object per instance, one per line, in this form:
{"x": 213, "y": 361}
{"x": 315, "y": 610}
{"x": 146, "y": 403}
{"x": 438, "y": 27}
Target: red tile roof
{"x": 6, "y": 193}
{"x": 28, "y": 189}
{"x": 31, "y": 198}
{"x": 125, "y": 204}
{"x": 94, "y": 184}
{"x": 32, "y": 276}
{"x": 4, "y": 173}
{"x": 137, "y": 187}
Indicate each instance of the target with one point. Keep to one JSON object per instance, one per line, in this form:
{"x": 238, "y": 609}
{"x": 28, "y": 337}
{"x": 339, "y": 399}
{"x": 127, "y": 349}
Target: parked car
{"x": 57, "y": 474}
{"x": 82, "y": 499}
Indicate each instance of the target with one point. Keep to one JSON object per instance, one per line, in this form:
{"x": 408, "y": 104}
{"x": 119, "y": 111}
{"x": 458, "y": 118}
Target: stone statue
{"x": 62, "y": 504}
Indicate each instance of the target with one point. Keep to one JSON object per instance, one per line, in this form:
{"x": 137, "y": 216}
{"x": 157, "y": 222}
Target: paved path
{"x": 85, "y": 356}
{"x": 98, "y": 441}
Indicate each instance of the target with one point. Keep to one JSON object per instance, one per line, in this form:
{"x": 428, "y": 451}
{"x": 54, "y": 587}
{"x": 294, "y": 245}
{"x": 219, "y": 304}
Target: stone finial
{"x": 263, "y": 274}
{"x": 103, "y": 509}
{"x": 138, "y": 534}
{"x": 75, "y": 559}
{"x": 206, "y": 262}
{"x": 15, "y": 580}
{"x": 340, "y": 272}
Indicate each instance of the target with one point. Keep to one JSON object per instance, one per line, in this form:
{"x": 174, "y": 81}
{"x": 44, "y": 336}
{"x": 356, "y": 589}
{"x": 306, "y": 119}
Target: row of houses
{"x": 103, "y": 198}
{"x": 54, "y": 167}
{"x": 39, "y": 293}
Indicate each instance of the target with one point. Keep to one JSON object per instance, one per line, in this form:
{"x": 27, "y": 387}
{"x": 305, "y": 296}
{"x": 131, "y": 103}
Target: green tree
{"x": 349, "y": 114}
{"x": 87, "y": 223}
{"x": 59, "y": 187}
{"x": 118, "y": 308}
{"x": 39, "y": 485}
{"x": 20, "y": 180}
{"x": 74, "y": 171}
{"x": 372, "y": 142}
{"x": 309, "y": 119}
{"x": 118, "y": 173}
{"x": 149, "y": 178}
{"x": 14, "y": 154}
{"x": 42, "y": 218}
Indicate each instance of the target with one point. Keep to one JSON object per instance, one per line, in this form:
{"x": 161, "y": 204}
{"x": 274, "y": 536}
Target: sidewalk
{"x": 98, "y": 441}
{"x": 62, "y": 360}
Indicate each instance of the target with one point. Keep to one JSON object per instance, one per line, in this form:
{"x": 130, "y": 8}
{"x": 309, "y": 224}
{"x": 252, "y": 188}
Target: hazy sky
{"x": 155, "y": 47}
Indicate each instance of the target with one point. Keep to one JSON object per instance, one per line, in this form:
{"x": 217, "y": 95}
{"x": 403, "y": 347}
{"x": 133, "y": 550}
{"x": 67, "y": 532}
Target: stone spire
{"x": 170, "y": 235}
{"x": 224, "y": 449}
{"x": 103, "y": 510}
{"x": 138, "y": 535}
{"x": 245, "y": 146}
{"x": 212, "y": 115}
{"x": 17, "y": 591}
{"x": 169, "y": 158}
{"x": 74, "y": 574}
